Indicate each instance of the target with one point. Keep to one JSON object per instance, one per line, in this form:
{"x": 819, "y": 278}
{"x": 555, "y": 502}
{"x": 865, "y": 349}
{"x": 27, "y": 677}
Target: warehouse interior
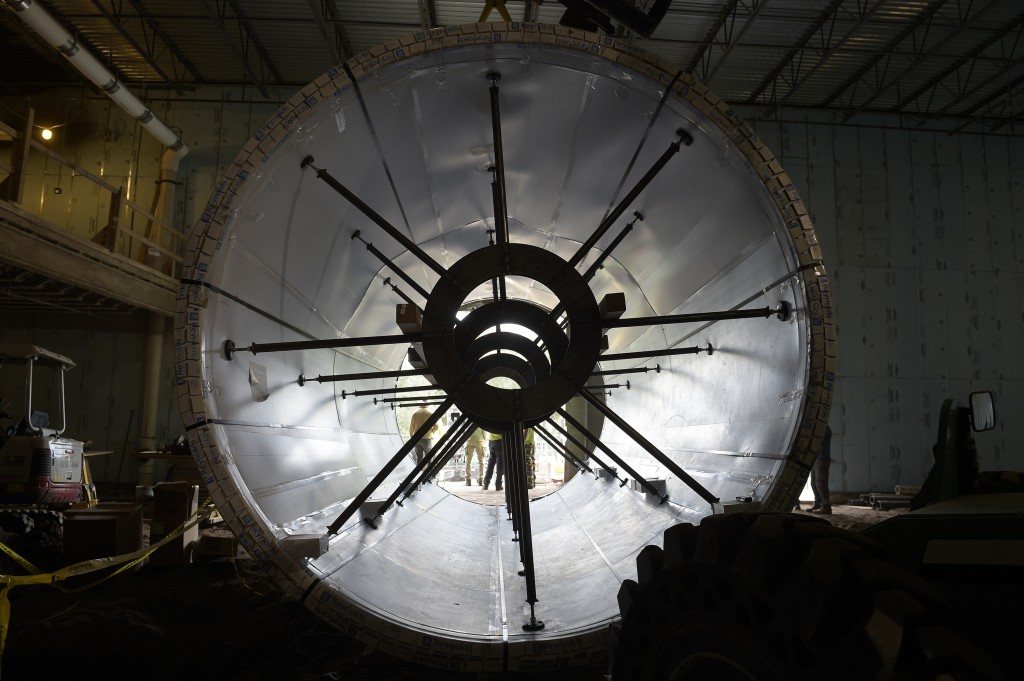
{"x": 898, "y": 122}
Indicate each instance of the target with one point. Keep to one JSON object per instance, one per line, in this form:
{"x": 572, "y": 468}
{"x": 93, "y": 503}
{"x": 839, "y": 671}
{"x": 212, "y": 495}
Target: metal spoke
{"x": 329, "y": 343}
{"x": 647, "y": 354}
{"x": 459, "y": 435}
{"x": 438, "y": 447}
{"x": 427, "y": 401}
{"x": 335, "y": 378}
{"x": 614, "y": 457}
{"x": 683, "y": 137}
{"x": 501, "y": 203}
{"x": 590, "y": 453}
{"x": 599, "y": 261}
{"x": 635, "y": 370}
{"x": 391, "y": 266}
{"x": 388, "y": 391}
{"x": 518, "y": 493}
{"x": 782, "y": 312}
{"x": 391, "y": 465}
{"x": 560, "y": 449}
{"x": 607, "y": 386}
{"x": 365, "y": 209}
{"x": 660, "y": 456}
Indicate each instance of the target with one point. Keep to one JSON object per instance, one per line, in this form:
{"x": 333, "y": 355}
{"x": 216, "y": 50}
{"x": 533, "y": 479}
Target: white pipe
{"x": 50, "y": 29}
{"x": 151, "y": 387}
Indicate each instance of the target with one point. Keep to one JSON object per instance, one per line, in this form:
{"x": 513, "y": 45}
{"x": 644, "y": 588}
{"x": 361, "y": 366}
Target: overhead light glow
{"x": 47, "y": 134}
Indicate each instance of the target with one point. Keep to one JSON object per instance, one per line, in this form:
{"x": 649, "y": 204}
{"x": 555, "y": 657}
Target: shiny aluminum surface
{"x": 582, "y": 120}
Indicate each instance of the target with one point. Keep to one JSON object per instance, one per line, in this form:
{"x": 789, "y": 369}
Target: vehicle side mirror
{"x": 983, "y": 411}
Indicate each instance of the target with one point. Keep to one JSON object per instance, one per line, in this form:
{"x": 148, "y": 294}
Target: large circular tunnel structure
{"x": 519, "y": 200}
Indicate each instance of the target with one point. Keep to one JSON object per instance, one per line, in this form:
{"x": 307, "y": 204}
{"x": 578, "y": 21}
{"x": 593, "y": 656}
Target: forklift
{"x": 38, "y": 467}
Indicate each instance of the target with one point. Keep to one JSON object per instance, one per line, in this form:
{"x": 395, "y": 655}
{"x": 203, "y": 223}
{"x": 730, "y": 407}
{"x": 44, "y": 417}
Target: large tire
{"x": 781, "y": 597}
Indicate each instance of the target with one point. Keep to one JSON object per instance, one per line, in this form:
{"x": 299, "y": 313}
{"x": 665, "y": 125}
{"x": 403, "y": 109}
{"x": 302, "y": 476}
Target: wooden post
{"x": 12, "y": 187}
{"x": 113, "y": 219}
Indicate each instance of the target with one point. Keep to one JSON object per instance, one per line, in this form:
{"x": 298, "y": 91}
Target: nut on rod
{"x": 393, "y": 267}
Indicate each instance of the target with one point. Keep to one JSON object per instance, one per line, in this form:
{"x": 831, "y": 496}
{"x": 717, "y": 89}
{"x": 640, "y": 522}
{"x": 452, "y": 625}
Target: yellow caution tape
{"x": 126, "y": 561}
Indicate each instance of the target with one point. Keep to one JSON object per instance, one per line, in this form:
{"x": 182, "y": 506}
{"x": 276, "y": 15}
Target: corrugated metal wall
{"x": 923, "y": 235}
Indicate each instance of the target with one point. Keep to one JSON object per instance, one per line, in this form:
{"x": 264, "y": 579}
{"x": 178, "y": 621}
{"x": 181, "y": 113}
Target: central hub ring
{"x": 446, "y": 340}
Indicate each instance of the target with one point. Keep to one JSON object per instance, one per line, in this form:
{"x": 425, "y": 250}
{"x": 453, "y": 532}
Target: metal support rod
{"x": 511, "y": 501}
{"x": 429, "y": 399}
{"x": 635, "y": 370}
{"x": 501, "y": 216}
{"x": 441, "y": 452}
{"x": 560, "y": 449}
{"x": 388, "y": 391}
{"x": 623, "y": 322}
{"x": 522, "y": 494}
{"x": 399, "y": 292}
{"x": 515, "y": 479}
{"x": 647, "y": 354}
{"x": 683, "y": 137}
{"x": 660, "y": 456}
{"x": 607, "y": 386}
{"x": 391, "y": 265}
{"x": 590, "y": 453}
{"x": 336, "y": 378}
{"x": 614, "y": 457}
{"x": 365, "y": 209}
{"x": 599, "y": 261}
{"x": 325, "y": 344}
{"x": 391, "y": 465}
{"x": 444, "y": 455}
{"x": 498, "y": 283}
{"x": 420, "y": 465}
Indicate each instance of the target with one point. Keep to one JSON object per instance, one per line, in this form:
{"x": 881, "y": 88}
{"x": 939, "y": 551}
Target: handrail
{"x": 121, "y": 211}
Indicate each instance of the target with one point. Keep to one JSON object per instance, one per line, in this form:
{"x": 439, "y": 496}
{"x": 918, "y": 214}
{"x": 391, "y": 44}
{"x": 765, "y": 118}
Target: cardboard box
{"x": 105, "y": 530}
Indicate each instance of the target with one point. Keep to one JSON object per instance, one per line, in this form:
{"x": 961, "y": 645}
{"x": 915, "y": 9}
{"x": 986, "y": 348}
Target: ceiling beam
{"x": 428, "y": 16}
{"x": 118, "y": 21}
{"x": 159, "y": 32}
{"x": 923, "y": 20}
{"x": 826, "y": 19}
{"x": 733, "y": 38}
{"x": 1001, "y": 97}
{"x": 341, "y": 38}
{"x": 217, "y": 11}
{"x": 829, "y": 49}
{"x": 248, "y": 34}
{"x": 723, "y": 16}
{"x": 968, "y": 20}
{"x": 970, "y": 60}
{"x": 325, "y": 13}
